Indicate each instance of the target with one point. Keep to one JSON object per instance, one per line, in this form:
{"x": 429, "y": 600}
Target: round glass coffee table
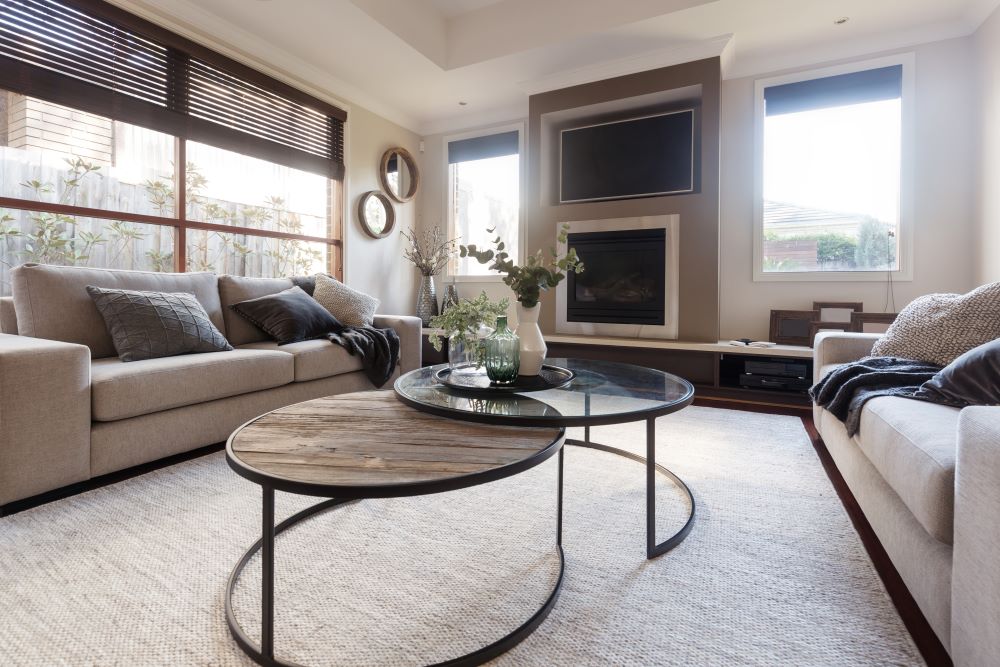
{"x": 602, "y": 393}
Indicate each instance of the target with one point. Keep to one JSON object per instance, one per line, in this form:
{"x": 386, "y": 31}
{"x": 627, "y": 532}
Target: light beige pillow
{"x": 939, "y": 328}
{"x": 349, "y": 306}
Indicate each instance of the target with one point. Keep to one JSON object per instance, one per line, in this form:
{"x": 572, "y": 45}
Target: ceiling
{"x": 415, "y": 61}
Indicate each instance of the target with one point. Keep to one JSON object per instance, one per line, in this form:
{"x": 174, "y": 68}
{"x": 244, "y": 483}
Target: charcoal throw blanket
{"x": 845, "y": 390}
{"x": 378, "y": 350}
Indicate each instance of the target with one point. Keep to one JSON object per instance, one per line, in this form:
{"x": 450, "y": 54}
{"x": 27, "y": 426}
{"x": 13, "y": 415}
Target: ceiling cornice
{"x": 674, "y": 55}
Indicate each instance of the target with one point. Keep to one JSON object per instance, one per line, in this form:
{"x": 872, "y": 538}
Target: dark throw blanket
{"x": 845, "y": 390}
{"x": 377, "y": 348}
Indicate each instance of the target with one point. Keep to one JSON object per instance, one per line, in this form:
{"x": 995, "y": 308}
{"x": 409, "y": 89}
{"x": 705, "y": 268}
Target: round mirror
{"x": 399, "y": 175}
{"x": 376, "y": 214}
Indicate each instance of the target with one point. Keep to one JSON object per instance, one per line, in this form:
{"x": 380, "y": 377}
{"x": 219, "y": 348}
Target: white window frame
{"x": 522, "y": 182}
{"x": 904, "y": 268}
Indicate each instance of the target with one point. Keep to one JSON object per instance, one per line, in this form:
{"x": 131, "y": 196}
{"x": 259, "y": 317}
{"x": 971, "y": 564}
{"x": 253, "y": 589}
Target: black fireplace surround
{"x": 623, "y": 279}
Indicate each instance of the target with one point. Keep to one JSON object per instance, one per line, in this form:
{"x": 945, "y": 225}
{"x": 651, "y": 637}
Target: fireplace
{"x": 624, "y": 279}
{"x": 629, "y": 284}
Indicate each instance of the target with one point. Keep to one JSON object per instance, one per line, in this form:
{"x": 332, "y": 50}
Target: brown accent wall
{"x": 699, "y": 212}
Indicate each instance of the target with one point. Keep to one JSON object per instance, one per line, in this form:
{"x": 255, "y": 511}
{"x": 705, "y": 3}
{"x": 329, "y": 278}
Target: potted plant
{"x": 528, "y": 281}
{"x": 461, "y": 324}
{"x": 430, "y": 254}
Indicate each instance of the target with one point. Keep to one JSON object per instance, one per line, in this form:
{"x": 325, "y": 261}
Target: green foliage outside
{"x": 873, "y": 249}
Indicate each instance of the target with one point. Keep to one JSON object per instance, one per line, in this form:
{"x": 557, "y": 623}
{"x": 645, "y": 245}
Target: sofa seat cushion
{"x": 913, "y": 445}
{"x": 121, "y": 390}
{"x": 314, "y": 359}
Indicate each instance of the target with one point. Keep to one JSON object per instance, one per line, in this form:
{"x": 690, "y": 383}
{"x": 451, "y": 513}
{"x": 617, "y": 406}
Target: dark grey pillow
{"x": 289, "y": 316}
{"x": 149, "y": 325}
{"x": 972, "y": 379}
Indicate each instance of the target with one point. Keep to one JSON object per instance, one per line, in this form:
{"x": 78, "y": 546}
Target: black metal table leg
{"x": 653, "y": 549}
{"x": 267, "y": 574}
{"x": 263, "y": 654}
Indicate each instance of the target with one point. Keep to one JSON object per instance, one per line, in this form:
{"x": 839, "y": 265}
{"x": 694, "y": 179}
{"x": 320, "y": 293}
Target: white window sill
{"x": 902, "y": 276}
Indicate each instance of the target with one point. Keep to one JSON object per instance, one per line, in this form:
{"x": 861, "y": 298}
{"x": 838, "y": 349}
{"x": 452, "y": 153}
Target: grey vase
{"x": 427, "y": 303}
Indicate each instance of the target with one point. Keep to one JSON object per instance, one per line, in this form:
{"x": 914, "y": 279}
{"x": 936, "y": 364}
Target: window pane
{"x": 831, "y": 188}
{"x": 30, "y": 236}
{"x": 56, "y": 154}
{"x": 227, "y": 188}
{"x": 253, "y": 256}
{"x": 485, "y": 196}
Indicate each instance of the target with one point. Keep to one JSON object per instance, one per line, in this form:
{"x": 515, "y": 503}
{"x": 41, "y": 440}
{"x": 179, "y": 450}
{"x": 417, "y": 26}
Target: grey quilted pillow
{"x": 149, "y": 325}
{"x": 349, "y": 306}
{"x": 941, "y": 327}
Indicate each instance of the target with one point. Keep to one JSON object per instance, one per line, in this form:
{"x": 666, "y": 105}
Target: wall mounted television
{"x": 647, "y": 156}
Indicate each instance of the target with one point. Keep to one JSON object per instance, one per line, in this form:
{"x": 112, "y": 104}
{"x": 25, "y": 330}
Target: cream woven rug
{"x": 772, "y": 573}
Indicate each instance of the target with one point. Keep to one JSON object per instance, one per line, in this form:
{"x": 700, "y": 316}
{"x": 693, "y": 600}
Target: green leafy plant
{"x": 535, "y": 276}
{"x": 462, "y": 321}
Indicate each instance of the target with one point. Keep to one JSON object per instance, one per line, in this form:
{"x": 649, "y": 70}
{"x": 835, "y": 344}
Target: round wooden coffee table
{"x": 370, "y": 445}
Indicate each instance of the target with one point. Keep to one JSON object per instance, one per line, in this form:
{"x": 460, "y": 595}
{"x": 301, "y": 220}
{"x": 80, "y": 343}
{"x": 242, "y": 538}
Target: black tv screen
{"x": 639, "y": 157}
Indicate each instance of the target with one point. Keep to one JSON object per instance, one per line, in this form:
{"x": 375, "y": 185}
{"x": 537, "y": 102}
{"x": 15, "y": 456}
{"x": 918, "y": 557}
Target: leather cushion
{"x": 972, "y": 379}
{"x": 289, "y": 316}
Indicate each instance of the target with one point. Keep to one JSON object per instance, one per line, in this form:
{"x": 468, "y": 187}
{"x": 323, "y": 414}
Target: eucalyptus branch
{"x": 535, "y": 276}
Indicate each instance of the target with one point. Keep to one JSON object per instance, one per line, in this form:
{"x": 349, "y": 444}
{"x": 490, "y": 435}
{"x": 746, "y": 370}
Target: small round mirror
{"x": 376, "y": 214}
{"x": 399, "y": 175}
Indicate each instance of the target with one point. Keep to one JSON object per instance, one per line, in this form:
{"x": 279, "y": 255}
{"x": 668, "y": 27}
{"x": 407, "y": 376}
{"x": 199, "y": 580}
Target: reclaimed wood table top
{"x": 369, "y": 444}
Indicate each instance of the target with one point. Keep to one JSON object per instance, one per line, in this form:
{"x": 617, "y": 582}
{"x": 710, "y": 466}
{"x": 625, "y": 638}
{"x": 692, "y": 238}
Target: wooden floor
{"x": 928, "y": 644}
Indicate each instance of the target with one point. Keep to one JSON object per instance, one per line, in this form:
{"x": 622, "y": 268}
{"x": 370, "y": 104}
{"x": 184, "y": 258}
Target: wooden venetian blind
{"x": 94, "y": 56}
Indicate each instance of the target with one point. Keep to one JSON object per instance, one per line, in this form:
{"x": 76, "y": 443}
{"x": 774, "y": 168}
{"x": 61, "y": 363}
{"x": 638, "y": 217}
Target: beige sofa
{"x": 71, "y": 411}
{"x": 928, "y": 480}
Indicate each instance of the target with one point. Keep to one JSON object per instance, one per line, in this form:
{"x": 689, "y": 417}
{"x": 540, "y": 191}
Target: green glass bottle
{"x": 502, "y": 354}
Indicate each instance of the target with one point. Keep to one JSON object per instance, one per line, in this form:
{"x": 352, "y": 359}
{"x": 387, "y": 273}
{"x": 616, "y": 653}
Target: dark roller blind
{"x": 99, "y": 58}
{"x": 884, "y": 83}
{"x": 480, "y": 148}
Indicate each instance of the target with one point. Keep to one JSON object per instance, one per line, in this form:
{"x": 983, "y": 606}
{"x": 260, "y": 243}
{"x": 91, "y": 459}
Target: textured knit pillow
{"x": 972, "y": 379}
{"x": 149, "y": 325}
{"x": 289, "y": 316}
{"x": 940, "y": 327}
{"x": 350, "y": 306}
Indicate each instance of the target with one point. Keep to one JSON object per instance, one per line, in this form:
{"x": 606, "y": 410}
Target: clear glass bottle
{"x": 502, "y": 352}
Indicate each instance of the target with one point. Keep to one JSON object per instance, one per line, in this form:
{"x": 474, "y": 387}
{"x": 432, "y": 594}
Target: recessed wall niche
{"x": 695, "y": 84}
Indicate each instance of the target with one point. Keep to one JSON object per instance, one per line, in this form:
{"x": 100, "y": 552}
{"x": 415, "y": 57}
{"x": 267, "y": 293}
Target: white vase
{"x": 533, "y": 347}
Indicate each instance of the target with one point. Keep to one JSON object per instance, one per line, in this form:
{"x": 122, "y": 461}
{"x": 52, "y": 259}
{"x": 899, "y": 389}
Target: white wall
{"x": 987, "y": 53}
{"x": 376, "y": 266}
{"x": 944, "y": 225}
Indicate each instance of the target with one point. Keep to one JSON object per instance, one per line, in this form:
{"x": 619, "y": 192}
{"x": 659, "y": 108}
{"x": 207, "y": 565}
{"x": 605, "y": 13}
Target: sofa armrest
{"x": 44, "y": 415}
{"x": 835, "y": 347}
{"x": 975, "y": 597}
{"x": 408, "y": 329}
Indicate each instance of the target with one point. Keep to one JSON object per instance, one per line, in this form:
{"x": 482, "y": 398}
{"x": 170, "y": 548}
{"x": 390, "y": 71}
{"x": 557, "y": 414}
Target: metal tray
{"x": 470, "y": 381}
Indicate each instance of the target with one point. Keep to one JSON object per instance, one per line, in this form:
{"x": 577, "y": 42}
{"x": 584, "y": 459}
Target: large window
{"x": 484, "y": 202}
{"x": 121, "y": 148}
{"x": 832, "y": 176}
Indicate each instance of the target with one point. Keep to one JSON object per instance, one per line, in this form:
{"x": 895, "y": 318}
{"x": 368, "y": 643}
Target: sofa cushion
{"x": 149, "y": 325}
{"x": 314, "y": 359}
{"x": 121, "y": 390}
{"x": 913, "y": 446}
{"x": 52, "y": 302}
{"x": 290, "y": 316}
{"x": 349, "y": 306}
{"x": 234, "y": 289}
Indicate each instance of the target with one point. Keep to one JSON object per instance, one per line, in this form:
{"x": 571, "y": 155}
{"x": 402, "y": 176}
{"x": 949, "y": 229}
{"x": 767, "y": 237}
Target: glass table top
{"x": 603, "y": 392}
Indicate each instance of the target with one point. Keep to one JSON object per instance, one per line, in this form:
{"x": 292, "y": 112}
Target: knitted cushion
{"x": 149, "y": 325}
{"x": 938, "y": 328}
{"x": 349, "y": 306}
